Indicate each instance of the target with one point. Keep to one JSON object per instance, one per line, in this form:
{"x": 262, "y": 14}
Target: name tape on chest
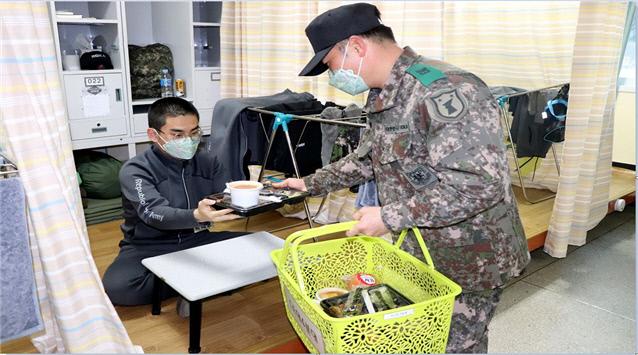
{"x": 396, "y": 128}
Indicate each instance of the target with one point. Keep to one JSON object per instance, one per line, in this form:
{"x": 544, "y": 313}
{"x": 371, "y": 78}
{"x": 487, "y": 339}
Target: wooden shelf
{"x": 91, "y": 72}
{"x": 100, "y": 142}
{"x": 208, "y": 68}
{"x": 153, "y": 99}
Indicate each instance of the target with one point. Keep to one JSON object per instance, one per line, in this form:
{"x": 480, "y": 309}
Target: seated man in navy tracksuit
{"x": 163, "y": 195}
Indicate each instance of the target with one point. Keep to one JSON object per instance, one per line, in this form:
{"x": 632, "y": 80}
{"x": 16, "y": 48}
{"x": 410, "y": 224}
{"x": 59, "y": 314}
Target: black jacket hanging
{"x": 229, "y": 139}
{"x": 528, "y": 126}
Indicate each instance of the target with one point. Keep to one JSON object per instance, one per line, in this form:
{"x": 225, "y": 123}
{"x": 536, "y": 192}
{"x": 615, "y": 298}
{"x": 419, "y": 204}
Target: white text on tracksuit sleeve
{"x": 153, "y": 208}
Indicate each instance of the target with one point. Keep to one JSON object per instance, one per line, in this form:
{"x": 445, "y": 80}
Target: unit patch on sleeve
{"x": 448, "y": 105}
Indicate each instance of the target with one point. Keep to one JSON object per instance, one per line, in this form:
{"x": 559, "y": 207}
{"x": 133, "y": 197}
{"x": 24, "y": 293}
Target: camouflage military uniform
{"x": 146, "y": 64}
{"x": 434, "y": 145}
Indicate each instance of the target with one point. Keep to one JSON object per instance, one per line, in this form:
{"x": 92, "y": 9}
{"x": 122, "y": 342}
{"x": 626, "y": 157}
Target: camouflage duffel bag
{"x": 146, "y": 65}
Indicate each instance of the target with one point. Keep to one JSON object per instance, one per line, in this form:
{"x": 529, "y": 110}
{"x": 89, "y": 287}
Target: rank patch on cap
{"x": 447, "y": 105}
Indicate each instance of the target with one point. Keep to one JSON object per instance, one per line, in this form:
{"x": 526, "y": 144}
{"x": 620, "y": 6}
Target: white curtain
{"x": 525, "y": 44}
{"x": 264, "y": 47}
{"x": 583, "y": 188}
{"x": 78, "y": 316}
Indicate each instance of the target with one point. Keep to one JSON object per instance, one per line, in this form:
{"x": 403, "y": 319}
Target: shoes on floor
{"x": 182, "y": 307}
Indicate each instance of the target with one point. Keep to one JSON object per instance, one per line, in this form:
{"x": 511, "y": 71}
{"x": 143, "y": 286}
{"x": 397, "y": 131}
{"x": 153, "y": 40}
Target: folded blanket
{"x": 102, "y": 212}
{"x": 97, "y": 205}
{"x": 103, "y": 219}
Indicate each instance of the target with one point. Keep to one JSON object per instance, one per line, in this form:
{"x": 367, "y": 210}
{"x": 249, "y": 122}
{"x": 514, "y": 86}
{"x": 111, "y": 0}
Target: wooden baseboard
{"x": 624, "y": 166}
{"x": 537, "y": 241}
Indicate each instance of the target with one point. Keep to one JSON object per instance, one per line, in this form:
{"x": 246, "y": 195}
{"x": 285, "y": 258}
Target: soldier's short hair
{"x": 169, "y": 106}
{"x": 379, "y": 33}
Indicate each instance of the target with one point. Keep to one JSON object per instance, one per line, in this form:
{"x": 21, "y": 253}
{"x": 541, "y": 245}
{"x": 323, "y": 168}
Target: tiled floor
{"x": 585, "y": 303}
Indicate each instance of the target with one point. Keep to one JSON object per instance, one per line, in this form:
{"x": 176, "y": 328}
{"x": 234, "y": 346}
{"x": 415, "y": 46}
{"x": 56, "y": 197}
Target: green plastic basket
{"x": 422, "y": 327}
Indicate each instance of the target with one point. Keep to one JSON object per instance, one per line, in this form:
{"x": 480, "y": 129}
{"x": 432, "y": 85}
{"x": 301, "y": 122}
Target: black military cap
{"x": 95, "y": 60}
{"x": 335, "y": 25}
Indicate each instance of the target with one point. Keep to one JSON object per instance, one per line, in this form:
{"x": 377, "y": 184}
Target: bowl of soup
{"x": 245, "y": 193}
{"x": 329, "y": 292}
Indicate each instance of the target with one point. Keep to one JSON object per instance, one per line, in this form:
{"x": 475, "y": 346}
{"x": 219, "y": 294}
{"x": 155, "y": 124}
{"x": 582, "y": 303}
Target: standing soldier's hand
{"x": 370, "y": 222}
{"x": 296, "y": 184}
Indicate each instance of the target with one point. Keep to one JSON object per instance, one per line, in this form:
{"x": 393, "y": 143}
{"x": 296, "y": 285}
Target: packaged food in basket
{"x": 359, "y": 280}
{"x": 382, "y": 297}
{"x": 329, "y": 292}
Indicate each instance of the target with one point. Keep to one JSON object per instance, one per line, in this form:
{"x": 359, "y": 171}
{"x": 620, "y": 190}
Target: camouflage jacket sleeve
{"x": 353, "y": 169}
{"x": 465, "y": 159}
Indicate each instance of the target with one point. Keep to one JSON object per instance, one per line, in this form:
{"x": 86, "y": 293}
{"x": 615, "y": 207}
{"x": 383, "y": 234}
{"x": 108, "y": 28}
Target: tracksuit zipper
{"x": 188, "y": 202}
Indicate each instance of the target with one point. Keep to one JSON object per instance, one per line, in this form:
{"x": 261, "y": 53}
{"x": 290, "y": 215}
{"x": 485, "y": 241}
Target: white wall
{"x": 624, "y": 149}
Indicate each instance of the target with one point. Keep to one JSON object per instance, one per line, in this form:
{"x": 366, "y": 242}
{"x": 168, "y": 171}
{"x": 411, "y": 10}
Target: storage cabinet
{"x": 206, "y": 26}
{"x": 97, "y": 128}
{"x": 167, "y": 23}
{"x": 140, "y": 118}
{"x": 207, "y": 88}
{"x": 101, "y": 34}
{"x": 94, "y": 95}
{"x": 206, "y": 53}
{"x": 100, "y": 108}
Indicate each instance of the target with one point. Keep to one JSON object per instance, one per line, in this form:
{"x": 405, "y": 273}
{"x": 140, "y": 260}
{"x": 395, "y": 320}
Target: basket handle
{"x": 419, "y": 239}
{"x": 292, "y": 243}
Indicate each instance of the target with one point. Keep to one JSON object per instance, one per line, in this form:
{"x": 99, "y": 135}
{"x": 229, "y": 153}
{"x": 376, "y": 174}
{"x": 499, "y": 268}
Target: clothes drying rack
{"x": 7, "y": 167}
{"x": 503, "y": 104}
{"x": 281, "y": 120}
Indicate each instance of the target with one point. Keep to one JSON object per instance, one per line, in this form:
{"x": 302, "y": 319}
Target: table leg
{"x": 158, "y": 284}
{"x": 195, "y": 326}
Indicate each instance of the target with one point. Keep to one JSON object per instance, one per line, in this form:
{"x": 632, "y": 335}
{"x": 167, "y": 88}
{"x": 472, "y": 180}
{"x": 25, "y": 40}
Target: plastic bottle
{"x": 166, "y": 83}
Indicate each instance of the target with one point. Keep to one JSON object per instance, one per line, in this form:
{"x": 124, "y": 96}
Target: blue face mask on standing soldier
{"x": 346, "y": 80}
{"x": 181, "y": 148}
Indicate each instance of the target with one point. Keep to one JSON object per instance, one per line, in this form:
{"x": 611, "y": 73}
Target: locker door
{"x": 206, "y": 89}
{"x": 94, "y": 96}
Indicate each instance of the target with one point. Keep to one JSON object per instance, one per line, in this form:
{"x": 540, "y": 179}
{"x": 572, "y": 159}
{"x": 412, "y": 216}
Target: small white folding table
{"x": 205, "y": 271}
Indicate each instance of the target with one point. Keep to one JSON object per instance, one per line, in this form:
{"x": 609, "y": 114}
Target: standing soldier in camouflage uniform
{"x": 434, "y": 146}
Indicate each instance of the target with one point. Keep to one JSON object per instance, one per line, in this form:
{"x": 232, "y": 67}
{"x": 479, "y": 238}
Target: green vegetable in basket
{"x": 387, "y": 297}
{"x": 354, "y": 304}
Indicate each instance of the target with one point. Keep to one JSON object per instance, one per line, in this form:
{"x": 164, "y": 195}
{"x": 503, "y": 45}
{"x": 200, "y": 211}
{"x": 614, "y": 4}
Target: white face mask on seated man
{"x": 183, "y": 147}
